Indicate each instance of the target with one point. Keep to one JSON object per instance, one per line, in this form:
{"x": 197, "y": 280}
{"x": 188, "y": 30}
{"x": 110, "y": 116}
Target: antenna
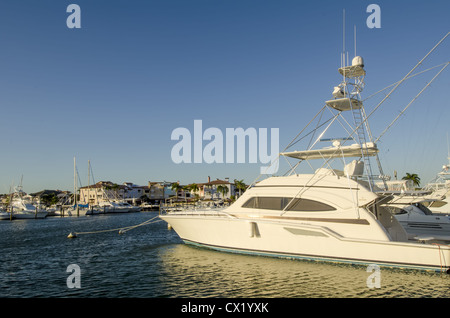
{"x": 355, "y": 37}
{"x": 343, "y": 38}
{"x": 448, "y": 149}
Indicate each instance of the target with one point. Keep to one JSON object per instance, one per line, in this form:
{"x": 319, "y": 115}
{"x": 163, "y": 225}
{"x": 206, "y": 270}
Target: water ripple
{"x": 151, "y": 261}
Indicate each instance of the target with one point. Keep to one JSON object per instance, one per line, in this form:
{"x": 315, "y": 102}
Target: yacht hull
{"x": 439, "y": 231}
{"x": 30, "y": 215}
{"x": 4, "y": 216}
{"x": 304, "y": 241}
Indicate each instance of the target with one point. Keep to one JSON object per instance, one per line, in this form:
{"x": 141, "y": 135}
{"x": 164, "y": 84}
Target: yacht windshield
{"x": 423, "y": 208}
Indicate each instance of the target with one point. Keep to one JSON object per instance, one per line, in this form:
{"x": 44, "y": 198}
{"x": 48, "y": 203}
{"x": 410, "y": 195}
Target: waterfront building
{"x": 104, "y": 191}
{"x": 212, "y": 189}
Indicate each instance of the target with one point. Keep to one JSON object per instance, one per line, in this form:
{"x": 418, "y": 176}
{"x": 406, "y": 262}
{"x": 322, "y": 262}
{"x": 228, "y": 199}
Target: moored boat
{"x": 336, "y": 213}
{"x": 113, "y": 206}
{"x": 24, "y": 210}
{"x": 420, "y": 222}
{"x": 4, "y": 215}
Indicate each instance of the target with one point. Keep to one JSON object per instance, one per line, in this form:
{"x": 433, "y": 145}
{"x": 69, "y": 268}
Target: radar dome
{"x": 358, "y": 61}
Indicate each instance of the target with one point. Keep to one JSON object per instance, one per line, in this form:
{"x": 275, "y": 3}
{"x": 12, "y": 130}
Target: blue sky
{"x": 113, "y": 91}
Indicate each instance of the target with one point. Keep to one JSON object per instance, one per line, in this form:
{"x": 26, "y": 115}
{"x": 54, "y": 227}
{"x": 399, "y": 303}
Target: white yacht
{"x": 75, "y": 210}
{"x": 310, "y": 217}
{"x": 22, "y": 207}
{"x": 440, "y": 187}
{"x": 114, "y": 206}
{"x": 131, "y": 208}
{"x": 24, "y": 210}
{"x": 335, "y": 213}
{"x": 420, "y": 222}
{"x": 410, "y": 207}
{"x": 4, "y": 215}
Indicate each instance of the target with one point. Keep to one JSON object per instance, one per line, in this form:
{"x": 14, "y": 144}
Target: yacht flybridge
{"x": 332, "y": 214}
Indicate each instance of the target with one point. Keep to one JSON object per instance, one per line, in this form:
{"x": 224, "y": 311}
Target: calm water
{"x": 151, "y": 261}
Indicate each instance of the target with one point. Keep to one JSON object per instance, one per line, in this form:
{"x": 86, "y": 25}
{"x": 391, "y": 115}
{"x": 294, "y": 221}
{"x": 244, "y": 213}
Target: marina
{"x": 242, "y": 158}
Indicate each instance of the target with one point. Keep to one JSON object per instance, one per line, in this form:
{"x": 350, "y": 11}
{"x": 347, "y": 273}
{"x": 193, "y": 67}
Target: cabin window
{"x": 279, "y": 203}
{"x": 396, "y": 210}
{"x": 423, "y": 208}
{"x": 268, "y": 203}
{"x": 309, "y": 206}
{"x": 250, "y": 203}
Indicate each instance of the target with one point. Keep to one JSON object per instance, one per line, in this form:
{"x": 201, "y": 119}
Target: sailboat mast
{"x": 89, "y": 182}
{"x": 74, "y": 181}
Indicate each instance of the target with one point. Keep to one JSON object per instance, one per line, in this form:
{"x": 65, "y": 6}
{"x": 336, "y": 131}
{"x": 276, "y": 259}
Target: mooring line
{"x": 121, "y": 230}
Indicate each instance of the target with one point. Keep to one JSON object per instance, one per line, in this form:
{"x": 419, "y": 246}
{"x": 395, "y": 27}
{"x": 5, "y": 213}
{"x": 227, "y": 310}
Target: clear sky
{"x": 113, "y": 91}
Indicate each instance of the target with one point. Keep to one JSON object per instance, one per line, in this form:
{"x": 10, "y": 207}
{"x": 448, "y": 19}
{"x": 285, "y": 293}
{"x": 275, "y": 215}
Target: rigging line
{"x": 296, "y": 165}
{"x": 340, "y": 116}
{"x": 406, "y": 76}
{"x": 92, "y": 174}
{"x": 306, "y": 186}
{"x": 379, "y": 104}
{"x": 398, "y": 84}
{"x": 414, "y": 75}
{"x": 78, "y": 176}
{"x": 353, "y": 193}
{"x": 292, "y": 167}
{"x": 439, "y": 247}
{"x": 312, "y": 131}
{"x": 292, "y": 142}
{"x": 79, "y": 181}
{"x": 332, "y": 119}
{"x": 289, "y": 145}
{"x": 412, "y": 101}
{"x": 323, "y": 132}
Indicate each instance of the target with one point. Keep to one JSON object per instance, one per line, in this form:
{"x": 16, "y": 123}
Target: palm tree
{"x": 222, "y": 189}
{"x": 176, "y": 187}
{"x": 412, "y": 176}
{"x": 193, "y": 187}
{"x": 115, "y": 187}
{"x": 240, "y": 185}
{"x": 49, "y": 199}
